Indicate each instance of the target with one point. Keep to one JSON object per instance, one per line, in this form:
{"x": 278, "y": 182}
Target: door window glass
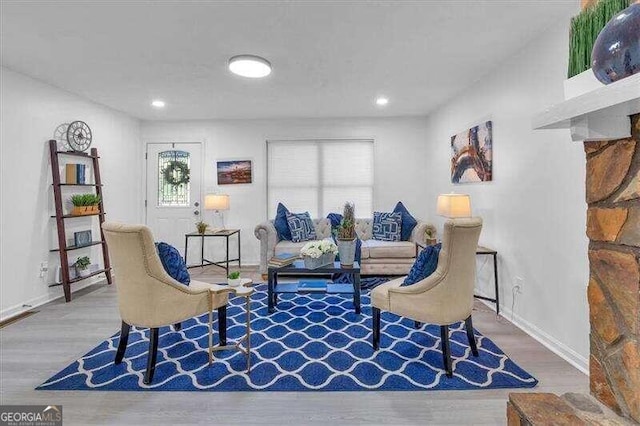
{"x": 173, "y": 179}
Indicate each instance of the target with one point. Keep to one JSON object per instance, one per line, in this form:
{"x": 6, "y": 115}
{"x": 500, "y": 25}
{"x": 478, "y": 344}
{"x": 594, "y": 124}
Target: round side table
{"x": 243, "y": 344}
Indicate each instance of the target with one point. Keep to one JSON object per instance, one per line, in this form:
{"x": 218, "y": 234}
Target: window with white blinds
{"x": 319, "y": 176}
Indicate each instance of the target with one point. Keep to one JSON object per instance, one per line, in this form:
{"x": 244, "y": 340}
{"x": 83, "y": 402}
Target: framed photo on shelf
{"x": 234, "y": 172}
{"x": 82, "y": 238}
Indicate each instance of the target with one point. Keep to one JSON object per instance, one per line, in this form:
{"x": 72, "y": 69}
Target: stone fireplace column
{"x": 613, "y": 228}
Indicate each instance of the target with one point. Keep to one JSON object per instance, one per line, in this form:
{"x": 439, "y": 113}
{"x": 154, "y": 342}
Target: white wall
{"x": 31, "y": 110}
{"x": 534, "y": 210}
{"x": 400, "y": 155}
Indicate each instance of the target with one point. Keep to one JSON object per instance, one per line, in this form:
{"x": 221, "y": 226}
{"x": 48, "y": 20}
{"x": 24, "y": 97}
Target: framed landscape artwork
{"x": 472, "y": 154}
{"x": 234, "y": 172}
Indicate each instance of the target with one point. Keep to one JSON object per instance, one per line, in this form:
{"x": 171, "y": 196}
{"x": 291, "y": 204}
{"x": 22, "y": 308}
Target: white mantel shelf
{"x": 601, "y": 114}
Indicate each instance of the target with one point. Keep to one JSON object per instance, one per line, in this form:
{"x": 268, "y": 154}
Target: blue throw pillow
{"x": 387, "y": 226}
{"x": 335, "y": 219}
{"x": 425, "y": 265}
{"x": 301, "y": 227}
{"x": 408, "y": 222}
{"x": 173, "y": 263}
{"x": 280, "y": 223}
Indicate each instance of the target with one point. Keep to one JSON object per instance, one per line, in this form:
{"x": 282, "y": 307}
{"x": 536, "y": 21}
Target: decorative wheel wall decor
{"x": 79, "y": 136}
{"x": 60, "y": 135}
{"x": 74, "y": 136}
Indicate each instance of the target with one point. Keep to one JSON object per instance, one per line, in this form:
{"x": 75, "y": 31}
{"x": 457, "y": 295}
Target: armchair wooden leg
{"x": 446, "y": 350}
{"x": 375, "y": 333}
{"x": 177, "y": 326}
{"x": 472, "y": 338}
{"x": 124, "y": 339}
{"x": 222, "y": 324}
{"x": 153, "y": 355}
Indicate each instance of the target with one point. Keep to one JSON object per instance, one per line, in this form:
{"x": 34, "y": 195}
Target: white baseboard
{"x": 28, "y": 305}
{"x": 550, "y": 342}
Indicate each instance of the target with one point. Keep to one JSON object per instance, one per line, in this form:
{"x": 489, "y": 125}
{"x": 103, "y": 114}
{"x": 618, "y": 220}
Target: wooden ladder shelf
{"x": 60, "y": 216}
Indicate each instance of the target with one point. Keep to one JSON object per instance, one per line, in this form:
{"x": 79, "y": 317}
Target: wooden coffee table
{"x": 298, "y": 268}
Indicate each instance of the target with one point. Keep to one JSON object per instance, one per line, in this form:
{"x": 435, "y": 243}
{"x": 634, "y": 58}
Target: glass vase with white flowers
{"x": 316, "y": 254}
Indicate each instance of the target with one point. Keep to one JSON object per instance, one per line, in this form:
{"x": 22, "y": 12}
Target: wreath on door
{"x": 176, "y": 173}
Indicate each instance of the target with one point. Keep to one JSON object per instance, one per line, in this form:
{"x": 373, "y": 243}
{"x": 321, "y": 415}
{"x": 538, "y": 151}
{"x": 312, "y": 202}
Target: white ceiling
{"x": 330, "y": 59}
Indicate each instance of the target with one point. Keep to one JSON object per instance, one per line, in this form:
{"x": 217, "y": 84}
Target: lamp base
{"x": 223, "y": 227}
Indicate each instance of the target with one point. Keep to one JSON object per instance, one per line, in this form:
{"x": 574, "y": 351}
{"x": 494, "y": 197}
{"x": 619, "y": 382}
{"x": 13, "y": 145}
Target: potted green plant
{"x": 430, "y": 236}
{"x": 201, "y": 227}
{"x": 346, "y": 236}
{"x": 85, "y": 204}
{"x": 82, "y": 266}
{"x": 233, "y": 279}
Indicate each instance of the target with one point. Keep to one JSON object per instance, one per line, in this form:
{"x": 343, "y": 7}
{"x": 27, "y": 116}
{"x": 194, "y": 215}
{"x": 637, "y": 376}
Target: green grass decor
{"x": 81, "y": 200}
{"x": 585, "y": 29}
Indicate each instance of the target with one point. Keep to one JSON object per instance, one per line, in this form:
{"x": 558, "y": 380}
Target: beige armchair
{"x": 148, "y": 296}
{"x": 443, "y": 298}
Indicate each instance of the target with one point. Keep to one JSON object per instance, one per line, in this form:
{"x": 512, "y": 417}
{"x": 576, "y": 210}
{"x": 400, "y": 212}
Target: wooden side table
{"x": 244, "y": 290}
{"x": 484, "y": 251}
{"x": 225, "y": 233}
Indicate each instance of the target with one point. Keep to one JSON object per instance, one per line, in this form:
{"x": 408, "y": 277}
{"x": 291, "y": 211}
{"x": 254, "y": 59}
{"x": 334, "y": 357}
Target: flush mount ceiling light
{"x": 382, "y": 101}
{"x": 157, "y": 104}
{"x": 249, "y": 66}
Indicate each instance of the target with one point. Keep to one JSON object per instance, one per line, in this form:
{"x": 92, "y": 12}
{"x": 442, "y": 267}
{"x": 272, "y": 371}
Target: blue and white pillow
{"x": 301, "y": 227}
{"x": 173, "y": 263}
{"x": 425, "y": 265}
{"x": 387, "y": 226}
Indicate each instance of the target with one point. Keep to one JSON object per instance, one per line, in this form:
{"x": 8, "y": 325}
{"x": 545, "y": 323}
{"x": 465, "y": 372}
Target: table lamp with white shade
{"x": 218, "y": 203}
{"x": 454, "y": 205}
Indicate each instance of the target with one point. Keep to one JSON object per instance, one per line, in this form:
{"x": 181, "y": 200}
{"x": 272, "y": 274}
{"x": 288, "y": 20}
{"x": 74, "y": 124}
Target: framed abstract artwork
{"x": 472, "y": 154}
{"x": 234, "y": 172}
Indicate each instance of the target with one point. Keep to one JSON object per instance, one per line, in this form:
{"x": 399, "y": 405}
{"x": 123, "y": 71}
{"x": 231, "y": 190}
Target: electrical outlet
{"x": 518, "y": 284}
{"x": 44, "y": 267}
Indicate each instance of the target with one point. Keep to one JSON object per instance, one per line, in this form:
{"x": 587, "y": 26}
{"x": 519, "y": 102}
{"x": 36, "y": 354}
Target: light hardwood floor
{"x": 36, "y": 347}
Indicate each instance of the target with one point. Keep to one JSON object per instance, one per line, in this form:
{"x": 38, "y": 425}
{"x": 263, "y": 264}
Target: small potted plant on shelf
{"x": 201, "y": 227}
{"x": 430, "y": 236}
{"x": 82, "y": 266}
{"x": 318, "y": 253}
{"x": 85, "y": 204}
{"x": 233, "y": 279}
{"x": 346, "y": 236}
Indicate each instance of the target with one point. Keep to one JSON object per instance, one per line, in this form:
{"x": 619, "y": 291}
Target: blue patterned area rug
{"x": 311, "y": 343}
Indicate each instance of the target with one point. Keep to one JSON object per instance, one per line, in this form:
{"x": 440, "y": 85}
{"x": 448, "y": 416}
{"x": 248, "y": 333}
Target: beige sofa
{"x": 378, "y": 257}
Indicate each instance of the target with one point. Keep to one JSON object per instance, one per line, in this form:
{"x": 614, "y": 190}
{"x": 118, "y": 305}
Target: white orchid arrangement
{"x": 316, "y": 249}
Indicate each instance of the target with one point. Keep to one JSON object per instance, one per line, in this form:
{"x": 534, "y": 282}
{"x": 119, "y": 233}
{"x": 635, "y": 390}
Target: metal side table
{"x": 244, "y": 343}
{"x": 225, "y": 233}
{"x": 484, "y": 251}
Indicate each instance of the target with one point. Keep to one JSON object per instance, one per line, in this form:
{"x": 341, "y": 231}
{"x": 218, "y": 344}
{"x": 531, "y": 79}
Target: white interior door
{"x": 173, "y": 206}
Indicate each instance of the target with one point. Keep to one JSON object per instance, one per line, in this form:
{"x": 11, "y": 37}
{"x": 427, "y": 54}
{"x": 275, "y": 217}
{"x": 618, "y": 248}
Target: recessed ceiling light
{"x": 157, "y": 104}
{"x": 250, "y": 66}
{"x": 382, "y": 101}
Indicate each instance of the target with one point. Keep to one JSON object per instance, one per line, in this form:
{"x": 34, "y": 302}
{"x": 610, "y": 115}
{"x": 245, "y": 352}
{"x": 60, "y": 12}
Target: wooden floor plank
{"x": 35, "y": 348}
